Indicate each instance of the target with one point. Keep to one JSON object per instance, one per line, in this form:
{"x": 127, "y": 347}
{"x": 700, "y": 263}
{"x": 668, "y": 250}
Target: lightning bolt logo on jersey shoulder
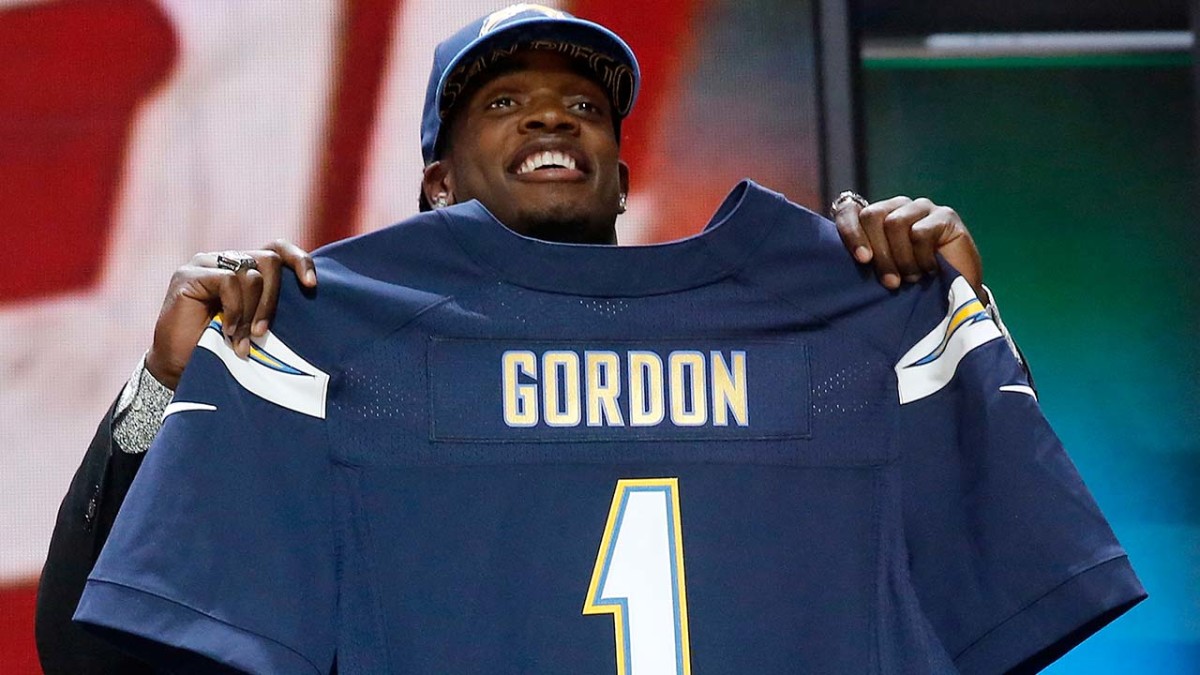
{"x": 931, "y": 363}
{"x": 272, "y": 371}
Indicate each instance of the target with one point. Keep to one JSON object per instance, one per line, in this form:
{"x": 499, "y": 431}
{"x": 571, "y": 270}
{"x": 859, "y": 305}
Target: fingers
{"x": 269, "y": 263}
{"x": 239, "y": 296}
{"x": 872, "y": 219}
{"x": 245, "y": 299}
{"x": 236, "y": 296}
{"x": 251, "y": 284}
{"x": 296, "y": 259}
{"x": 229, "y": 294}
{"x": 927, "y": 235}
{"x": 846, "y": 217}
{"x": 186, "y": 311}
{"x": 944, "y": 231}
{"x": 278, "y": 254}
{"x": 898, "y": 227}
{"x": 902, "y": 238}
{"x": 259, "y": 290}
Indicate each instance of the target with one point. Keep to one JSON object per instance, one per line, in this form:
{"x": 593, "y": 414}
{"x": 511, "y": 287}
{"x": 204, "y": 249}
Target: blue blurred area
{"x": 1078, "y": 183}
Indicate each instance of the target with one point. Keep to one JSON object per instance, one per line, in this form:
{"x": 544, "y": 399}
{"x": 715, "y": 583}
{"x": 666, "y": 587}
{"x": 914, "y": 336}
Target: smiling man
{"x": 477, "y": 449}
{"x": 537, "y": 143}
{"x": 527, "y": 121}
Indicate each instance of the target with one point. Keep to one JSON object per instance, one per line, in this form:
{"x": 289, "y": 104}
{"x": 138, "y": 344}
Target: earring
{"x": 440, "y": 201}
{"x": 622, "y": 203}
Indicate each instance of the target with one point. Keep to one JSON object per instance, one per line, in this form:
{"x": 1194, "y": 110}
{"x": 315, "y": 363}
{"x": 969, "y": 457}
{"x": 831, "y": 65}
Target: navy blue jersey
{"x": 470, "y": 451}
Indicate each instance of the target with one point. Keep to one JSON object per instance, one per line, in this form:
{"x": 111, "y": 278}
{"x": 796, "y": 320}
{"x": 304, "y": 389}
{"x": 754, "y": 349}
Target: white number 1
{"x": 639, "y": 578}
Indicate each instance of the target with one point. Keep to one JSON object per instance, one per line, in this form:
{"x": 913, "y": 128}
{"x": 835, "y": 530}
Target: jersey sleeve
{"x": 222, "y": 556}
{"x": 1012, "y": 561}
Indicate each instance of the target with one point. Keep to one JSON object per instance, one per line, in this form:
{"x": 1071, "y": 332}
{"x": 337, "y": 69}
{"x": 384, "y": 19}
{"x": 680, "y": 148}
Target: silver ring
{"x": 236, "y": 261}
{"x": 847, "y": 196}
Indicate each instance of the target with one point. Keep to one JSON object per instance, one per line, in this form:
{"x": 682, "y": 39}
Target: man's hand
{"x": 900, "y": 237}
{"x": 246, "y": 300}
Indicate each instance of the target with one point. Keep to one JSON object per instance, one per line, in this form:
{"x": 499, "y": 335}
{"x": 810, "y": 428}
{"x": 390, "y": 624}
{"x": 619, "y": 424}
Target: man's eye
{"x": 590, "y": 108}
{"x": 501, "y": 102}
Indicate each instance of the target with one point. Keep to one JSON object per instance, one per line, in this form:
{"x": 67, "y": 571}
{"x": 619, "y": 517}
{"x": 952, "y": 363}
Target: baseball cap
{"x": 491, "y": 39}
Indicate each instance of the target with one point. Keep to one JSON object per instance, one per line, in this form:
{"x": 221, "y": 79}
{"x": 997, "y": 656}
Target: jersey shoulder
{"x": 803, "y": 264}
{"x": 371, "y": 285}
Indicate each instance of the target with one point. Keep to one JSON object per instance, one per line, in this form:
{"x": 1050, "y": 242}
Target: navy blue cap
{"x": 493, "y": 38}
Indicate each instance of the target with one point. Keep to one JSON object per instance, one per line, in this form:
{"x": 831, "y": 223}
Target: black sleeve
{"x": 83, "y": 524}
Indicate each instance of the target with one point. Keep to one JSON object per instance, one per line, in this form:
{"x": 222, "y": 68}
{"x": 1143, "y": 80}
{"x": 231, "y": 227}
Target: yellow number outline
{"x": 617, "y": 607}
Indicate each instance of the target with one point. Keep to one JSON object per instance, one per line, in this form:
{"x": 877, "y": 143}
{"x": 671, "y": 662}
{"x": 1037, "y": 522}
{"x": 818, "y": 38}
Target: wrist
{"x": 162, "y": 370}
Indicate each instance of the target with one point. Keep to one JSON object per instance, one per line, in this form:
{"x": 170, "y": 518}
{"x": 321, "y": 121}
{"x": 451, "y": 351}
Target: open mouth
{"x": 561, "y": 163}
{"x": 546, "y": 159}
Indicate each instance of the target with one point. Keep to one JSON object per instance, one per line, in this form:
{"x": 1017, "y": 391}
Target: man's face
{"x": 536, "y": 145}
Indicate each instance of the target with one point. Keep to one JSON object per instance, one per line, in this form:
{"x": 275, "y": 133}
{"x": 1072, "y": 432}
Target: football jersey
{"x": 469, "y": 451}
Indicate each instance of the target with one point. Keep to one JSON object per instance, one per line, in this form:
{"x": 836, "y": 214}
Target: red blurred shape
{"x": 16, "y": 630}
{"x": 660, "y": 32}
{"x": 72, "y": 74}
{"x": 364, "y": 40}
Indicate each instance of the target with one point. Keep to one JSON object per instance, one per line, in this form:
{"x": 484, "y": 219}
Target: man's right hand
{"x": 246, "y": 300}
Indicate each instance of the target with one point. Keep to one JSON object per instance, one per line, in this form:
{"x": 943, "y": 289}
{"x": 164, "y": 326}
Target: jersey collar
{"x": 737, "y": 228}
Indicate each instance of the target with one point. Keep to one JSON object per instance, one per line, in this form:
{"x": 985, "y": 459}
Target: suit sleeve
{"x": 1012, "y": 560}
{"x": 84, "y": 520}
{"x": 222, "y": 557}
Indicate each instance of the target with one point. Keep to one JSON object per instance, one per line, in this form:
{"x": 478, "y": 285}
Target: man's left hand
{"x": 899, "y": 237}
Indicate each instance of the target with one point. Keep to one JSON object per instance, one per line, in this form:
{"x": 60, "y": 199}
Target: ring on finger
{"x": 236, "y": 261}
{"x": 847, "y": 196}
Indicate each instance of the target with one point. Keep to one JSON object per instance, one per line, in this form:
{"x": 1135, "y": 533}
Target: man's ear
{"x": 436, "y": 181}
{"x": 623, "y": 170}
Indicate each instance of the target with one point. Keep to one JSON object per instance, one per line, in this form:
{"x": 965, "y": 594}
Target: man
{"x": 530, "y": 131}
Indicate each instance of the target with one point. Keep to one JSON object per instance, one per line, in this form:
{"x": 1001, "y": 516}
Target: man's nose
{"x": 550, "y": 116}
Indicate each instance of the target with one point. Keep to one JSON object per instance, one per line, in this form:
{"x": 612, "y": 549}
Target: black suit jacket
{"x": 84, "y": 521}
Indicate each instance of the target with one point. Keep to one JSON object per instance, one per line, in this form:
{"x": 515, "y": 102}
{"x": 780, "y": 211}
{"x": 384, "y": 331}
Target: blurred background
{"x": 134, "y": 133}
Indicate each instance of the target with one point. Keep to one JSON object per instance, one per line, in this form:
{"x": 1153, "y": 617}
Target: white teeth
{"x": 546, "y": 158}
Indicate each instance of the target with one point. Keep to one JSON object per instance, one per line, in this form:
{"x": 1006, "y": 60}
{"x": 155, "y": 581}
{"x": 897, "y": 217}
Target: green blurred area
{"x": 1078, "y": 180}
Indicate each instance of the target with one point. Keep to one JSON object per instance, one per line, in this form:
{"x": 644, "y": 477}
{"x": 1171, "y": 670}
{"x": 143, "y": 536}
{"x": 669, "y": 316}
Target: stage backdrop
{"x": 1078, "y": 177}
{"x": 134, "y": 133}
